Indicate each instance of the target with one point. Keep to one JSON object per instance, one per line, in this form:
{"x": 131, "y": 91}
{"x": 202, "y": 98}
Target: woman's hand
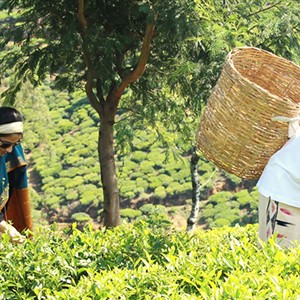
{"x": 14, "y": 235}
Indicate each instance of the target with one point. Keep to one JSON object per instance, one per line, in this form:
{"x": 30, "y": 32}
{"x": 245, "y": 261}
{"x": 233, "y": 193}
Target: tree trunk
{"x": 191, "y": 221}
{"x": 109, "y": 180}
{"x": 107, "y": 110}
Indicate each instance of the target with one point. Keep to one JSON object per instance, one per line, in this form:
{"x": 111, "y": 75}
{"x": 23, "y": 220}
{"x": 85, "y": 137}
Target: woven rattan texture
{"x": 236, "y": 131}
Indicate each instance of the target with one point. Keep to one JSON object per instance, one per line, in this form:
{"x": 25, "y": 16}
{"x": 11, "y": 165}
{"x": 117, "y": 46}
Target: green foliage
{"x": 130, "y": 213}
{"x": 81, "y": 217}
{"x": 220, "y": 197}
{"x": 64, "y": 126}
{"x": 140, "y": 182}
{"x": 154, "y": 182}
{"x": 159, "y": 112}
{"x": 151, "y": 209}
{"x": 71, "y": 196}
{"x": 165, "y": 179}
{"x": 128, "y": 186}
{"x": 146, "y": 167}
{"x": 160, "y": 192}
{"x": 226, "y": 208}
{"x": 146, "y": 261}
{"x": 138, "y": 156}
{"x": 243, "y": 197}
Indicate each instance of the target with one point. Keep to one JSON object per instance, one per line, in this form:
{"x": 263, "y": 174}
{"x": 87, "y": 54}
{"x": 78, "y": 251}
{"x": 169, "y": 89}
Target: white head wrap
{"x": 10, "y": 128}
{"x": 294, "y": 127}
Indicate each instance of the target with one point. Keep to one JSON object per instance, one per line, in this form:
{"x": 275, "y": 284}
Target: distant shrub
{"x": 181, "y": 175}
{"x": 147, "y": 167}
{"x": 130, "y": 213}
{"x": 64, "y": 125}
{"x": 154, "y": 182}
{"x": 209, "y": 213}
{"x": 75, "y": 182}
{"x": 150, "y": 209}
{"x": 52, "y": 171}
{"x": 170, "y": 190}
{"x": 61, "y": 151}
{"x": 165, "y": 179}
{"x": 157, "y": 157}
{"x": 92, "y": 161}
{"x": 140, "y": 182}
{"x": 128, "y": 186}
{"x": 143, "y": 140}
{"x": 71, "y": 195}
{"x": 88, "y": 197}
{"x": 81, "y": 217}
{"x": 71, "y": 159}
{"x": 205, "y": 167}
{"x": 243, "y": 197}
{"x": 81, "y": 114}
{"x": 83, "y": 152}
{"x": 58, "y": 191}
{"x": 129, "y": 166}
{"x": 40, "y": 163}
{"x": 254, "y": 198}
{"x": 94, "y": 198}
{"x": 52, "y": 201}
{"x": 91, "y": 178}
{"x": 138, "y": 175}
{"x": 88, "y": 187}
{"x": 233, "y": 178}
{"x": 220, "y": 197}
{"x": 173, "y": 164}
{"x": 175, "y": 188}
{"x": 160, "y": 192}
{"x": 62, "y": 181}
{"x": 138, "y": 156}
{"x": 232, "y": 215}
{"x": 55, "y": 114}
{"x": 187, "y": 186}
{"x": 87, "y": 123}
{"x": 220, "y": 222}
{"x": 48, "y": 179}
{"x": 63, "y": 103}
{"x": 234, "y": 204}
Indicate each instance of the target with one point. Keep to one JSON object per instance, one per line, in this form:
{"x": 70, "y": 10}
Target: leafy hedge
{"x": 228, "y": 208}
{"x": 148, "y": 261}
{"x": 64, "y": 159}
{"x": 62, "y": 146}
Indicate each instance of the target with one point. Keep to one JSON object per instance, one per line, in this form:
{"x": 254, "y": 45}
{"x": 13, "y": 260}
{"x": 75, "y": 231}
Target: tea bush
{"x": 64, "y": 159}
{"x": 130, "y": 213}
{"x": 145, "y": 260}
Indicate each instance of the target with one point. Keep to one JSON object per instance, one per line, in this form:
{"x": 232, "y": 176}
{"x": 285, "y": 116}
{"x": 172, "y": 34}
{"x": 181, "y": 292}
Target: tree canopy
{"x": 161, "y": 57}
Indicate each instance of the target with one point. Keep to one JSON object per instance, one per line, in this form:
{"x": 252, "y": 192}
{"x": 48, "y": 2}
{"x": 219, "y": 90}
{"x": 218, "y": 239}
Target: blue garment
{"x": 12, "y": 174}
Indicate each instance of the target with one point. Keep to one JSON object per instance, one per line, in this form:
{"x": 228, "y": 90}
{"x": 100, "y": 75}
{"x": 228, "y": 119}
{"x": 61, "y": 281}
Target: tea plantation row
{"x": 145, "y": 260}
{"x": 61, "y": 143}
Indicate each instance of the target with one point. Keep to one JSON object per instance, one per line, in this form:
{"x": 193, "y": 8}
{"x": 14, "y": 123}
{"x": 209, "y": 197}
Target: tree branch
{"x": 140, "y": 68}
{"x": 87, "y": 57}
{"x": 263, "y": 9}
{"x": 81, "y": 15}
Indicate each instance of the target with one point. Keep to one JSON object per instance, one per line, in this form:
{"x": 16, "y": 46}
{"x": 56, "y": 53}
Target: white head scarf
{"x": 10, "y": 128}
{"x": 294, "y": 127}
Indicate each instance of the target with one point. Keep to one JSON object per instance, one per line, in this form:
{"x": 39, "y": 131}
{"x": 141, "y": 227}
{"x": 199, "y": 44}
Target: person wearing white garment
{"x": 15, "y": 214}
{"x": 279, "y": 190}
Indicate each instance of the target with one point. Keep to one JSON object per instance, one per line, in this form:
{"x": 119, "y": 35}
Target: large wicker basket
{"x": 236, "y": 131}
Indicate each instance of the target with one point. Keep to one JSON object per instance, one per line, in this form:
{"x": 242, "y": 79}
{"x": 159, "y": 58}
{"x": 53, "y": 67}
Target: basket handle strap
{"x": 294, "y": 127}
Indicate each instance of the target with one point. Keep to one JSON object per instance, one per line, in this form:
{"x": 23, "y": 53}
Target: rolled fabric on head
{"x": 10, "y": 128}
{"x": 294, "y": 126}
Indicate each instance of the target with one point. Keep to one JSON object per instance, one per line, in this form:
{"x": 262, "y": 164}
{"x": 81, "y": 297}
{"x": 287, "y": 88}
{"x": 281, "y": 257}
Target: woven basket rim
{"x": 230, "y": 61}
{"x": 256, "y": 101}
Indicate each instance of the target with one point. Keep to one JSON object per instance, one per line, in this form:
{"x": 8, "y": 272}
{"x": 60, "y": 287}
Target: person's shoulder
{"x": 16, "y": 152}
